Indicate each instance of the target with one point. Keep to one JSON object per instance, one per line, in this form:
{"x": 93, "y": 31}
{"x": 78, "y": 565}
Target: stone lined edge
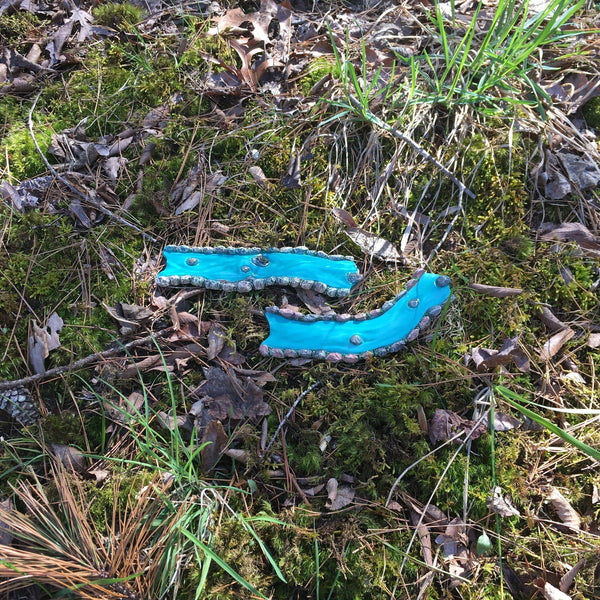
{"x": 247, "y": 285}
{"x": 432, "y": 313}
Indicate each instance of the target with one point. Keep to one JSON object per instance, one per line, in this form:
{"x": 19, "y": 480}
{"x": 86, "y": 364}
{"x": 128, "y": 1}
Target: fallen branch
{"x": 84, "y": 362}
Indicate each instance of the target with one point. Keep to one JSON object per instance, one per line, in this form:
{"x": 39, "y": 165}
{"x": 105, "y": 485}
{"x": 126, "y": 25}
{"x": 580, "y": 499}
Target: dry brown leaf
{"x": 214, "y": 441}
{"x": 593, "y": 340}
{"x": 235, "y": 22}
{"x": 332, "y": 490}
{"x": 42, "y": 340}
{"x": 446, "y": 424}
{"x": 344, "y": 217}
{"x": 495, "y": 291}
{"x": 259, "y": 177}
{"x": 374, "y": 245}
{"x": 37, "y": 348}
{"x": 125, "y": 408}
{"x": 166, "y": 361}
{"x": 486, "y": 359}
{"x": 343, "y": 497}
{"x": 566, "y": 581}
{"x": 217, "y": 338}
{"x": 556, "y": 185}
{"x": 237, "y": 455}
{"x": 549, "y": 591}
{"x": 550, "y": 320}
{"x": 78, "y": 15}
{"x": 129, "y": 316}
{"x": 571, "y": 232}
{"x": 230, "y": 355}
{"x": 503, "y": 422}
{"x": 100, "y": 475}
{"x": 192, "y": 197}
{"x": 315, "y": 302}
{"x": 157, "y": 118}
{"x": 582, "y": 171}
{"x": 555, "y": 343}
{"x": 452, "y": 540}
{"x": 70, "y": 457}
{"x": 501, "y": 505}
{"x": 228, "y": 398}
{"x": 313, "y": 491}
{"x": 424, "y": 536}
{"x": 566, "y": 513}
{"x": 292, "y": 180}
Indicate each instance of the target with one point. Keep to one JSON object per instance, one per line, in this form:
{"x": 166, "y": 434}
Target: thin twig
{"x": 179, "y": 297}
{"x": 401, "y": 136}
{"x": 84, "y": 362}
{"x": 75, "y": 190}
{"x": 289, "y": 413}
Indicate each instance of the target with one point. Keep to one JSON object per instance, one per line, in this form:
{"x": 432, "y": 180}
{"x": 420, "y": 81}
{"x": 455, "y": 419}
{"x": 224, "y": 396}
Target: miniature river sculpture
{"x": 349, "y": 338}
{"x": 247, "y": 269}
{"x": 336, "y": 337}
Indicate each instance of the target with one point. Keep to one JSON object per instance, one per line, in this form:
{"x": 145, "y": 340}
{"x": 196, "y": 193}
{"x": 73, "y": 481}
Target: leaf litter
{"x": 259, "y": 65}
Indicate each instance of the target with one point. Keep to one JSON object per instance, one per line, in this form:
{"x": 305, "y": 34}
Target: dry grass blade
{"x": 60, "y": 547}
{"x": 20, "y": 568}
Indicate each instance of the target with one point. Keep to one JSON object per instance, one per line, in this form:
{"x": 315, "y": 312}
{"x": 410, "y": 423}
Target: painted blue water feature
{"x": 354, "y": 337}
{"x": 247, "y": 269}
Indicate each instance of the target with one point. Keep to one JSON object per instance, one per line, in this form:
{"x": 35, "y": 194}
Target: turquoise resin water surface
{"x": 245, "y": 269}
{"x": 350, "y": 338}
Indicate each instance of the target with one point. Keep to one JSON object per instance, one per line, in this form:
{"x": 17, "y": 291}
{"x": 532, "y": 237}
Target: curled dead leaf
{"x": 549, "y": 591}
{"x": 332, "y": 490}
{"x": 70, "y": 457}
{"x": 555, "y": 343}
{"x": 373, "y": 245}
{"x": 501, "y": 505}
{"x": 42, "y": 340}
{"x": 344, "y": 217}
{"x": 550, "y": 320}
{"x": 228, "y": 398}
{"x": 217, "y": 338}
{"x": 495, "y": 291}
{"x": 566, "y": 513}
{"x": 237, "y": 455}
{"x": 446, "y": 424}
{"x": 100, "y": 475}
{"x": 593, "y": 340}
{"x": 487, "y": 359}
{"x": 566, "y": 581}
{"x": 214, "y": 441}
{"x": 344, "y": 496}
{"x": 259, "y": 177}
{"x": 571, "y": 232}
{"x": 503, "y": 422}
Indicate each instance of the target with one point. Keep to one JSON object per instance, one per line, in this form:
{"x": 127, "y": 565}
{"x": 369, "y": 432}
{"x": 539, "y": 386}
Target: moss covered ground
{"x": 258, "y": 524}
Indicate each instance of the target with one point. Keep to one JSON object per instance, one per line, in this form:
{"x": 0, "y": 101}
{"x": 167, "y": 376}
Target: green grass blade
{"x": 515, "y": 401}
{"x": 208, "y": 552}
{"x": 264, "y": 548}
